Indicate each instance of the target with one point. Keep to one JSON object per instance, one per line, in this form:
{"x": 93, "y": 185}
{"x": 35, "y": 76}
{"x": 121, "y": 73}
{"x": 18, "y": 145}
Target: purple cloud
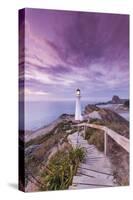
{"x": 65, "y": 50}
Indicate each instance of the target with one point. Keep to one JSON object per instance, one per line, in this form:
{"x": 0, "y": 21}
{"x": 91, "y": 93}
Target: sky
{"x": 66, "y": 50}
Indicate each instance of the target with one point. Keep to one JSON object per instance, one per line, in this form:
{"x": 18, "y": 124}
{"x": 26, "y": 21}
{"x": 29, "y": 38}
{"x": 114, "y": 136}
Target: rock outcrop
{"x": 115, "y": 100}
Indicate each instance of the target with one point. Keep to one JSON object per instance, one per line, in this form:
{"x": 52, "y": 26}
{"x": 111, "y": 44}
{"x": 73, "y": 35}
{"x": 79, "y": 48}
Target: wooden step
{"x": 94, "y": 174}
{"x": 96, "y": 168}
{"x": 95, "y": 171}
{"x": 92, "y": 181}
{"x": 82, "y": 186}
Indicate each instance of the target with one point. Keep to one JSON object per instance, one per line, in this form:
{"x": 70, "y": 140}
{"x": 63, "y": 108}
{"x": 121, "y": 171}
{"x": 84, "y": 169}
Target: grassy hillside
{"x": 39, "y": 149}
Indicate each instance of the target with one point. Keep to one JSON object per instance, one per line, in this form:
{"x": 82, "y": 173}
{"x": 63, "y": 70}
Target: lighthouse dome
{"x": 78, "y": 92}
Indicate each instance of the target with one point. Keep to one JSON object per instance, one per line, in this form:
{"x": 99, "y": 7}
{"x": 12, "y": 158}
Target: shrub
{"x": 97, "y": 121}
{"x": 62, "y": 167}
{"x": 77, "y": 154}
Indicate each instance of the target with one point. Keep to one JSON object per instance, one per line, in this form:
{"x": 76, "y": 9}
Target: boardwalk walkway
{"x": 96, "y": 169}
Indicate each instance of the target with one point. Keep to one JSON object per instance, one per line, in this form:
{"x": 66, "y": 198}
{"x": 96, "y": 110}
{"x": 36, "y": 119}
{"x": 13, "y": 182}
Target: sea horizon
{"x": 42, "y": 113}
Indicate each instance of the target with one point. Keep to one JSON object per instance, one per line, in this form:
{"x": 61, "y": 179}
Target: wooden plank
{"x": 94, "y": 174}
{"x": 105, "y": 143}
{"x": 96, "y": 169}
{"x": 121, "y": 140}
{"x": 92, "y": 181}
{"x": 82, "y": 186}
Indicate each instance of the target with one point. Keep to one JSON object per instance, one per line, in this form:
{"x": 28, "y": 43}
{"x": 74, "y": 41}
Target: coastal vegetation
{"x": 39, "y": 150}
{"x": 95, "y": 137}
{"x": 51, "y": 158}
{"x": 61, "y": 169}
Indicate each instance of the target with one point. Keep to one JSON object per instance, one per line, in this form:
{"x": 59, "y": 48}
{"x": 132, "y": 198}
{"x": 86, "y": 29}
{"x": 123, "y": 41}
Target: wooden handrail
{"x": 119, "y": 139}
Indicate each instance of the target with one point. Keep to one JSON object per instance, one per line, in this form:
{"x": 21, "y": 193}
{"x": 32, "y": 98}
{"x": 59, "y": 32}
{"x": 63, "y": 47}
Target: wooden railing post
{"x": 78, "y": 136}
{"x": 84, "y": 131}
{"x": 105, "y": 143}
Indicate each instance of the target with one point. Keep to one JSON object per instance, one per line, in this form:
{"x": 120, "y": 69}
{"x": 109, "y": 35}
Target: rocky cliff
{"x": 115, "y": 100}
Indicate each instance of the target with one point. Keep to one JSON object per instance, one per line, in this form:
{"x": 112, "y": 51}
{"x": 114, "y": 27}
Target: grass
{"x": 121, "y": 181}
{"x": 40, "y": 139}
{"x": 96, "y": 121}
{"x": 44, "y": 144}
{"x": 60, "y": 128}
{"x": 62, "y": 167}
{"x": 95, "y": 137}
{"x": 119, "y": 127}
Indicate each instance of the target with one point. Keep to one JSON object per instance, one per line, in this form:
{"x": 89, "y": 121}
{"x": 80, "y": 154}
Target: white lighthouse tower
{"x": 78, "y": 116}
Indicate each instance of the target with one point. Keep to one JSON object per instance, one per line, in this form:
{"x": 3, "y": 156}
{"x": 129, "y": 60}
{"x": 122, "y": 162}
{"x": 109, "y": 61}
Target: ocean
{"x": 38, "y": 114}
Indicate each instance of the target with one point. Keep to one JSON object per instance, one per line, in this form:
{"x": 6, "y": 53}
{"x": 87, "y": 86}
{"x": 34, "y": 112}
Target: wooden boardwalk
{"x": 95, "y": 171}
{"x": 119, "y": 139}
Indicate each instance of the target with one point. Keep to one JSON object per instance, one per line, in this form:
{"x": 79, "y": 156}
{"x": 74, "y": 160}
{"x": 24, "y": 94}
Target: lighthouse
{"x": 78, "y": 115}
